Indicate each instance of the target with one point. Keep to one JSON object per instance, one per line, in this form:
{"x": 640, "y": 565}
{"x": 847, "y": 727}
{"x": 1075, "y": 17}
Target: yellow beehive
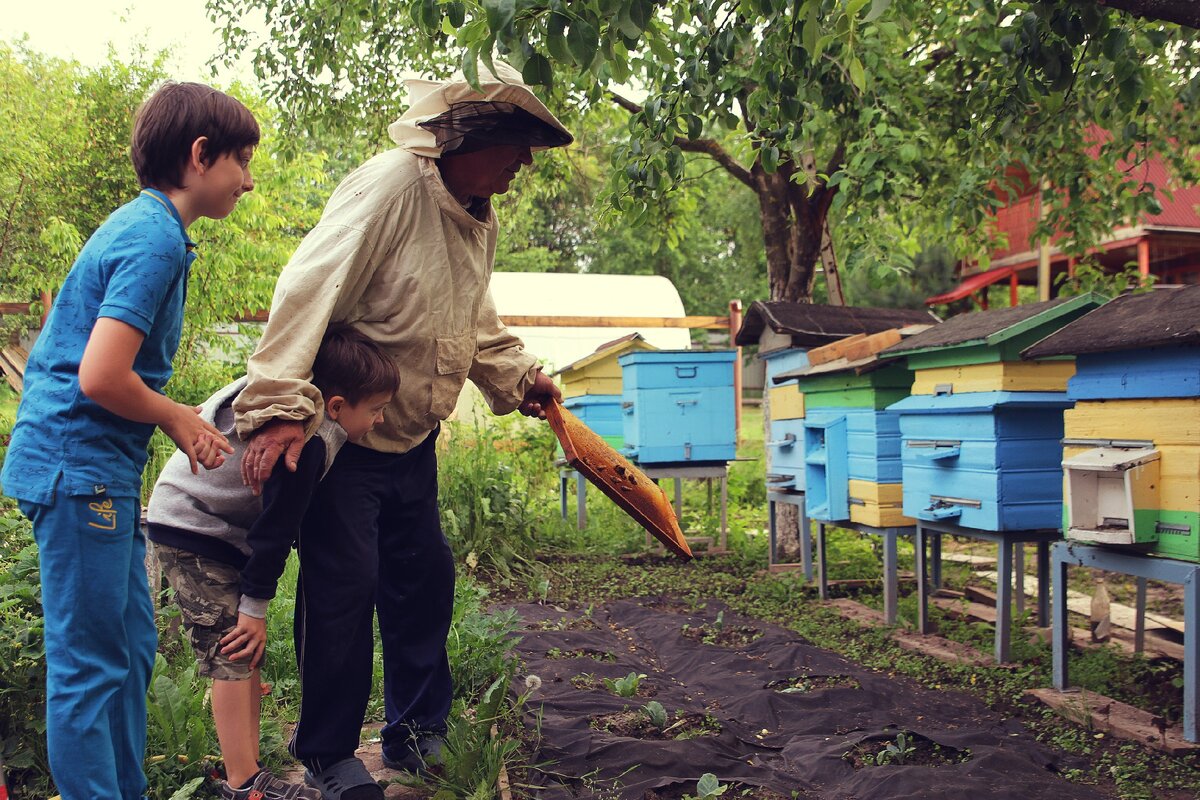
{"x": 787, "y": 401}
{"x": 880, "y": 506}
{"x": 1002, "y": 376}
{"x": 599, "y": 372}
{"x": 1164, "y": 421}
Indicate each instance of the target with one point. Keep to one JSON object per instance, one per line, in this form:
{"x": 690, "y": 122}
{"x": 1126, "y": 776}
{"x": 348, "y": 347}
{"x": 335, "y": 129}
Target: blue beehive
{"x": 987, "y": 460}
{"x": 851, "y": 441}
{"x": 678, "y": 406}
{"x": 785, "y": 442}
{"x": 601, "y": 413}
{"x": 973, "y": 453}
{"x": 784, "y": 332}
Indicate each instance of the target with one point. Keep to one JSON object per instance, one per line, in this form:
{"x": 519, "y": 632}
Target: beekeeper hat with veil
{"x": 450, "y": 117}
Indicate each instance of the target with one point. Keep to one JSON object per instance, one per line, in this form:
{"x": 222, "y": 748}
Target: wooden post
{"x": 1043, "y": 250}
{"x": 1071, "y": 267}
{"x": 47, "y": 301}
{"x": 1013, "y": 282}
{"x": 735, "y": 325}
{"x": 1143, "y": 251}
{"x": 833, "y": 281}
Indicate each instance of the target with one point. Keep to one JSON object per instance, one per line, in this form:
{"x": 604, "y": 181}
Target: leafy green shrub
{"x": 479, "y": 645}
{"x": 657, "y": 714}
{"x": 22, "y": 660}
{"x": 489, "y": 513}
{"x": 181, "y": 742}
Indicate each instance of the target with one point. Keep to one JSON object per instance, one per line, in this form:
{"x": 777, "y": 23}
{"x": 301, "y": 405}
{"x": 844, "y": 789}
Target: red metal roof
{"x": 970, "y": 285}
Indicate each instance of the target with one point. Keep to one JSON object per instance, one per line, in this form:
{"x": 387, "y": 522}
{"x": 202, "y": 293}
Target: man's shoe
{"x": 419, "y": 754}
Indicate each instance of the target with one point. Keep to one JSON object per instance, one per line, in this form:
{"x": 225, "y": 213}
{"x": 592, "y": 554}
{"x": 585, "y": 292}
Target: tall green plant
{"x": 488, "y": 510}
{"x": 22, "y": 659}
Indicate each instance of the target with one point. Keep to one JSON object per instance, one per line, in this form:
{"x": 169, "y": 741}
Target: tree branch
{"x": 709, "y": 147}
{"x": 1181, "y": 12}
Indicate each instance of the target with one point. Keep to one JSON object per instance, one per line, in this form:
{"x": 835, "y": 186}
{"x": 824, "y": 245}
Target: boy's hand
{"x": 247, "y": 639}
{"x": 278, "y": 437}
{"x": 542, "y": 390}
{"x": 185, "y": 427}
{"x": 208, "y": 452}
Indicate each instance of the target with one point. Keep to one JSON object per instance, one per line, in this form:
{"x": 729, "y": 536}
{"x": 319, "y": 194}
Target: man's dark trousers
{"x": 372, "y": 539}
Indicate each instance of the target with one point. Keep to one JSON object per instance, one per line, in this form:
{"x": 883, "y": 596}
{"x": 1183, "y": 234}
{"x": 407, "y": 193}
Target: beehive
{"x": 599, "y": 373}
{"x": 678, "y": 406}
{"x": 785, "y": 332}
{"x": 981, "y": 432}
{"x": 785, "y": 406}
{"x": 1131, "y": 448}
{"x": 851, "y": 444}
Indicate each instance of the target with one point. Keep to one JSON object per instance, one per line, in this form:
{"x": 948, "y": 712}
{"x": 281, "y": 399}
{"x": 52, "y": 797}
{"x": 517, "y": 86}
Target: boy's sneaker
{"x": 268, "y": 787}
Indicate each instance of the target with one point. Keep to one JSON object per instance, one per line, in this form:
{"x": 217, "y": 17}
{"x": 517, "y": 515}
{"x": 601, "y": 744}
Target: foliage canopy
{"x": 893, "y": 119}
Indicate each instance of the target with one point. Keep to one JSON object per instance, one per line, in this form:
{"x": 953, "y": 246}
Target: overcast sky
{"x": 83, "y": 30}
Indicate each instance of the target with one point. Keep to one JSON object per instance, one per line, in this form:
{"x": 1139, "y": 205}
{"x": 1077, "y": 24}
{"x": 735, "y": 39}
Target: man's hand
{"x": 543, "y": 389}
{"x": 278, "y": 437}
{"x": 248, "y": 639}
{"x": 199, "y": 441}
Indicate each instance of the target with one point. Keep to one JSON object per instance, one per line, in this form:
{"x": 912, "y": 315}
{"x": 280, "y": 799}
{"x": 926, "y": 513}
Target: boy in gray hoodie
{"x": 223, "y": 549}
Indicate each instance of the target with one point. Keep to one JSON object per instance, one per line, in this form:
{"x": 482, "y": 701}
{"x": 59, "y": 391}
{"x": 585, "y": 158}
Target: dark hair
{"x": 177, "y": 115}
{"x": 349, "y": 364}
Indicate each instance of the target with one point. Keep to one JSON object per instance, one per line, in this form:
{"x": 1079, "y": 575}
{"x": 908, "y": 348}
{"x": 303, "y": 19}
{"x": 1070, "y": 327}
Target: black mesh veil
{"x": 473, "y": 125}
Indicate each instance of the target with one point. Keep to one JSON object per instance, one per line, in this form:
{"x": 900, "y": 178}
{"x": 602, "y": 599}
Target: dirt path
{"x": 761, "y": 709}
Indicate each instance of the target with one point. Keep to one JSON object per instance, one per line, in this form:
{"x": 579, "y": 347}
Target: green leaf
{"x": 877, "y": 9}
{"x": 709, "y": 786}
{"x": 556, "y": 41}
{"x": 854, "y": 6}
{"x": 448, "y": 27}
{"x": 537, "y": 71}
{"x": 470, "y": 66}
{"x": 770, "y": 158}
{"x": 188, "y": 790}
{"x": 626, "y": 24}
{"x": 500, "y": 13}
{"x": 583, "y": 40}
{"x": 857, "y": 76}
{"x": 811, "y": 30}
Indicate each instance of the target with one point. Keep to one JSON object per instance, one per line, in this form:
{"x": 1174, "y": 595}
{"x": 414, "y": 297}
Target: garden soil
{"x": 758, "y": 707}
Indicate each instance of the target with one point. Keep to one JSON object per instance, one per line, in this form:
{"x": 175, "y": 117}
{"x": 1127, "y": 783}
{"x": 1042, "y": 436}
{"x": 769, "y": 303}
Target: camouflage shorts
{"x": 207, "y": 593}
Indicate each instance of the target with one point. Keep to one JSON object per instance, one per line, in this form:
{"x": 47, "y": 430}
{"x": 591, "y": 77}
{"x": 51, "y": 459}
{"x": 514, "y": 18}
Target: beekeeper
{"x": 403, "y": 252}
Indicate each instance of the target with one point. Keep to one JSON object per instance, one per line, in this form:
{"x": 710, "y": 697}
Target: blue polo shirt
{"x": 134, "y": 268}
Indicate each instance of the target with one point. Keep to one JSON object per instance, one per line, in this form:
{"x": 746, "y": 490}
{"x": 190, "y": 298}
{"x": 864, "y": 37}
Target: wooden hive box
{"x": 849, "y": 438}
{"x": 785, "y": 333}
{"x": 599, "y": 373}
{"x": 678, "y": 406}
{"x": 981, "y": 434}
{"x": 1131, "y": 448}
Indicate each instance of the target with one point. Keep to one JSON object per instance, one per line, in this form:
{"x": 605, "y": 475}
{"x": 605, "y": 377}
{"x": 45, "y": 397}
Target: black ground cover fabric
{"x": 791, "y": 743}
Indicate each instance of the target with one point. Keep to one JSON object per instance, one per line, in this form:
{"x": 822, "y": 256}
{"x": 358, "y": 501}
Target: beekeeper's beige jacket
{"x": 397, "y": 257}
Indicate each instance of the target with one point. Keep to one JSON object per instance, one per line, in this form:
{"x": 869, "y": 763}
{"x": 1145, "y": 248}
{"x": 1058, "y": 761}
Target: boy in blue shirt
{"x": 92, "y": 397}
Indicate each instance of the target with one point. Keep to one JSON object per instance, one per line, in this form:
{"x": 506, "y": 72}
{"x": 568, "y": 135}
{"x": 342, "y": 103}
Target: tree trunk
{"x": 791, "y": 224}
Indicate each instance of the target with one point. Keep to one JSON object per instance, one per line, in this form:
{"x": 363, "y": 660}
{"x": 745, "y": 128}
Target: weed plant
{"x": 487, "y": 497}
{"x": 22, "y": 659}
